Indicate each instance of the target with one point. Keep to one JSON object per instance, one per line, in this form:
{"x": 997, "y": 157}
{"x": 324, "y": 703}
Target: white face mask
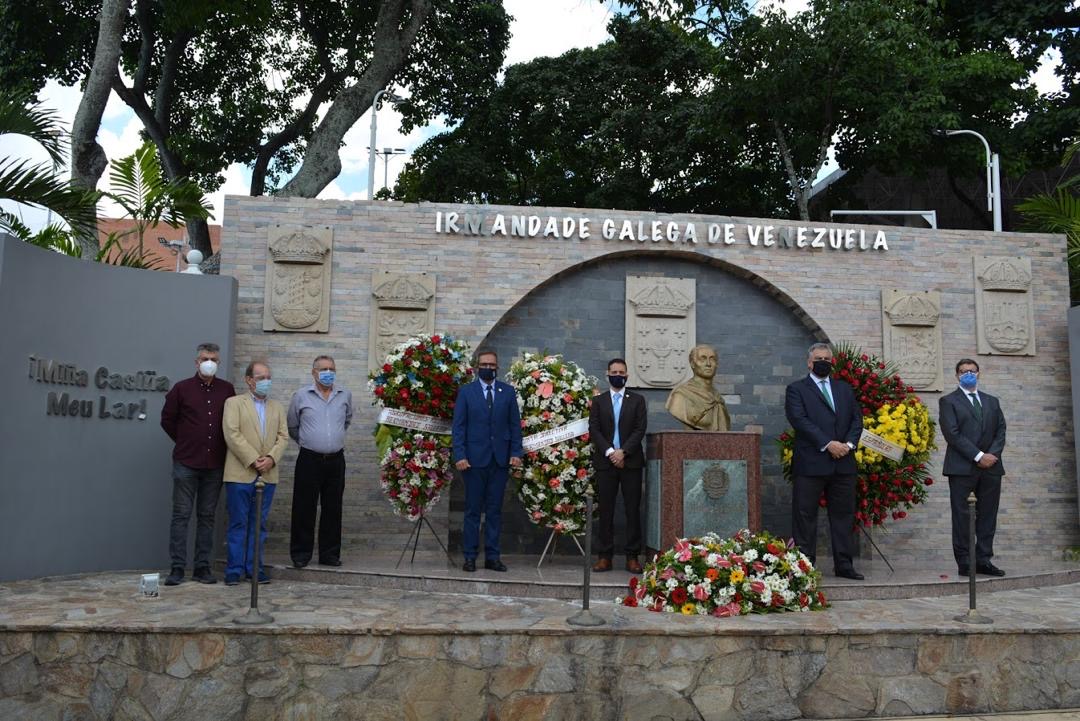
{"x": 208, "y": 368}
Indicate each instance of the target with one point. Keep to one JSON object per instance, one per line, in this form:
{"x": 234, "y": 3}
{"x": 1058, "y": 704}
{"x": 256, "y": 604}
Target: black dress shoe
{"x": 962, "y": 571}
{"x": 176, "y": 577}
{"x": 469, "y": 565}
{"x": 494, "y": 565}
{"x": 336, "y": 562}
{"x": 299, "y": 564}
{"x": 850, "y": 573}
{"x": 989, "y": 569}
{"x": 204, "y": 575}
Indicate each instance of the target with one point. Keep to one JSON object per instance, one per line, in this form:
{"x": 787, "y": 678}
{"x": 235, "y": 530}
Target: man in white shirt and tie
{"x": 828, "y": 424}
{"x": 617, "y": 423}
{"x": 974, "y": 427}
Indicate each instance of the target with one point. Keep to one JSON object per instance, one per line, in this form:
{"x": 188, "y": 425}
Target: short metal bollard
{"x": 585, "y": 617}
{"x": 972, "y": 616}
{"x": 254, "y": 616}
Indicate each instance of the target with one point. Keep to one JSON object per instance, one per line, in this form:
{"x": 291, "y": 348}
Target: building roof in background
{"x": 158, "y": 256}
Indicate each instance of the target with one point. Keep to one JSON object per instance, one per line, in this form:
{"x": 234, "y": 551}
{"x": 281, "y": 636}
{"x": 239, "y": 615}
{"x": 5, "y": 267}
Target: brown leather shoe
{"x": 633, "y": 566}
{"x": 601, "y": 565}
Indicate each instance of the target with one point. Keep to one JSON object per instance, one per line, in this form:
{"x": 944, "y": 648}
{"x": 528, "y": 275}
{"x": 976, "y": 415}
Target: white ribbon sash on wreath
{"x": 879, "y": 445}
{"x": 415, "y": 421}
{"x": 556, "y": 435}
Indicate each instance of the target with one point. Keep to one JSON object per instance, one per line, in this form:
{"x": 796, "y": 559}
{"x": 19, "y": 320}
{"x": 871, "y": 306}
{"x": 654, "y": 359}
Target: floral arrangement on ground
{"x": 885, "y": 488}
{"x": 421, "y": 376}
{"x": 553, "y": 480}
{"x": 713, "y": 576}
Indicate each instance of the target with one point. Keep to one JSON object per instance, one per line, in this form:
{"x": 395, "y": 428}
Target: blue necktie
{"x": 616, "y": 407}
{"x": 488, "y": 397}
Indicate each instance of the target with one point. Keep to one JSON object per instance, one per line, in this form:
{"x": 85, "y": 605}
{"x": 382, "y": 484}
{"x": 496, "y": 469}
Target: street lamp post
{"x": 371, "y": 147}
{"x": 993, "y": 174}
{"x": 385, "y": 154}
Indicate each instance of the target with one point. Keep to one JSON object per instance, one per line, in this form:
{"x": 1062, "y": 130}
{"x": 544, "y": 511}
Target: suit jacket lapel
{"x": 260, "y": 432}
{"x": 815, "y": 389}
{"x": 622, "y": 412}
{"x": 963, "y": 399}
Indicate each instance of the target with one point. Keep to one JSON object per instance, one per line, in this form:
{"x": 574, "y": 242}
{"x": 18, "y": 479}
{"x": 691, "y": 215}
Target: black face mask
{"x": 822, "y": 368}
{"x": 616, "y": 381}
{"x": 486, "y": 374}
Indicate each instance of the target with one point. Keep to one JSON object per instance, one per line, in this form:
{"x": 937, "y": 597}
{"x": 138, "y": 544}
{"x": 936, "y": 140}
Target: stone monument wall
{"x": 541, "y": 278}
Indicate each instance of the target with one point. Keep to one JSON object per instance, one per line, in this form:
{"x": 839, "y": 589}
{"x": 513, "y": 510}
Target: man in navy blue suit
{"x": 828, "y": 423}
{"x": 487, "y": 440}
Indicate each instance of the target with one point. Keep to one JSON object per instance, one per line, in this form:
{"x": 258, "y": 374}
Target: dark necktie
{"x": 976, "y": 405}
{"x": 488, "y": 397}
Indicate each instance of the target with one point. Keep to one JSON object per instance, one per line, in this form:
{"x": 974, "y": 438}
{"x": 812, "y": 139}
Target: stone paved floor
{"x": 110, "y": 601}
{"x": 568, "y": 569}
{"x": 1060, "y": 715}
{"x": 561, "y": 576}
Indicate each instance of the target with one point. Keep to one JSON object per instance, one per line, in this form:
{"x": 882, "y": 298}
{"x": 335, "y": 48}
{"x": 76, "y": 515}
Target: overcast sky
{"x": 539, "y": 29}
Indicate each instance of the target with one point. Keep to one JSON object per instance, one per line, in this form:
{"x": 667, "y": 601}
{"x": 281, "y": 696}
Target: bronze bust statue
{"x": 696, "y": 403}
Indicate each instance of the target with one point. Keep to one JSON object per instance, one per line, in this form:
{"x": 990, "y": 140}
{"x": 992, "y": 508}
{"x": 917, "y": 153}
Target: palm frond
{"x": 30, "y": 184}
{"x": 34, "y": 121}
{"x": 114, "y": 254}
{"x": 1054, "y": 213}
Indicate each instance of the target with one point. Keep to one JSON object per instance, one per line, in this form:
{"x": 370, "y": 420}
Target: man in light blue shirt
{"x": 318, "y": 417}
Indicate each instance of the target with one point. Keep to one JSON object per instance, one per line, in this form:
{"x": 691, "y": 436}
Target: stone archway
{"x": 760, "y": 333}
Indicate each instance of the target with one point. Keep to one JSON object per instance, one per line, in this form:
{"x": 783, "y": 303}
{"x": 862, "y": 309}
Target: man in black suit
{"x": 617, "y": 423}
{"x": 828, "y": 423}
{"x": 974, "y": 428}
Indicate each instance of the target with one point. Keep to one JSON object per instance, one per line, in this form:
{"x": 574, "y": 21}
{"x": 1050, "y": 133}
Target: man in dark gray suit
{"x": 828, "y": 424}
{"x": 974, "y": 428}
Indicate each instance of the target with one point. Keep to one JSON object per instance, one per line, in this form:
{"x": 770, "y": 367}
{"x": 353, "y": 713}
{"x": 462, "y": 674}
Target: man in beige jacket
{"x": 256, "y": 435}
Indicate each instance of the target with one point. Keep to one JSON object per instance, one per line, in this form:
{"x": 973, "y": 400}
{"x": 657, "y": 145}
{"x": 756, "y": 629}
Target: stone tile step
{"x": 560, "y": 577}
{"x": 1048, "y": 715}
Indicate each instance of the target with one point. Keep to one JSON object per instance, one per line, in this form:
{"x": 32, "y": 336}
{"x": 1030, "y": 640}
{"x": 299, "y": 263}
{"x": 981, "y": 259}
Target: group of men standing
{"x": 487, "y": 442}
{"x": 827, "y": 420}
{"x": 222, "y": 438}
{"x": 225, "y": 438}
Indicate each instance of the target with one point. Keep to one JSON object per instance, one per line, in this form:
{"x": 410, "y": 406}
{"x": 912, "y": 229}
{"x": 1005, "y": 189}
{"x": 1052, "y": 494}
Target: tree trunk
{"x": 394, "y": 36}
{"x": 88, "y": 159}
{"x": 199, "y": 236}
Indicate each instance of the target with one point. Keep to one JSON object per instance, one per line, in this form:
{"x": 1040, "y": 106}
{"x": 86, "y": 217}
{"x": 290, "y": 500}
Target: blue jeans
{"x": 189, "y": 484}
{"x": 240, "y": 502}
{"x": 484, "y": 488}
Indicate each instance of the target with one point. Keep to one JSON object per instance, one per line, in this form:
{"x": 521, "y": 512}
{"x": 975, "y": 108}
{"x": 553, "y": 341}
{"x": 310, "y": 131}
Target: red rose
{"x": 387, "y": 368}
{"x": 631, "y": 601}
{"x": 436, "y": 339}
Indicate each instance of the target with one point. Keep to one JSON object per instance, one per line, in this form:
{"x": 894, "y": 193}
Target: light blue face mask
{"x": 969, "y": 380}
{"x": 262, "y": 388}
{"x": 326, "y": 378}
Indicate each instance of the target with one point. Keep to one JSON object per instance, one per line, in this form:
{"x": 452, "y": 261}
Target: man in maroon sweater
{"x": 192, "y": 418}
